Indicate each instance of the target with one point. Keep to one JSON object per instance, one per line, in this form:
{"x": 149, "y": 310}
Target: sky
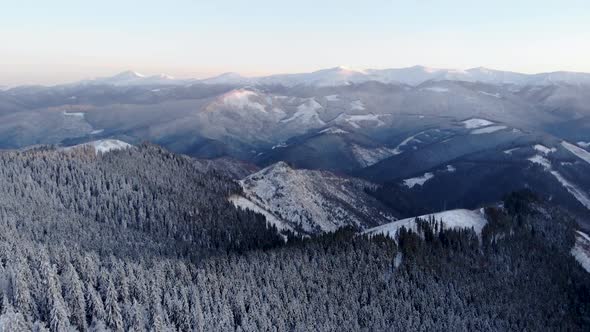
{"x": 57, "y": 41}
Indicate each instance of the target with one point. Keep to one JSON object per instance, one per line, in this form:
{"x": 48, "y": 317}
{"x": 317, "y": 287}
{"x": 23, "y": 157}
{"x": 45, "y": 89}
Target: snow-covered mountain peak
{"x": 128, "y": 74}
{"x": 133, "y": 78}
{"x": 244, "y": 98}
{"x": 164, "y": 77}
{"x": 280, "y": 167}
{"x": 228, "y": 78}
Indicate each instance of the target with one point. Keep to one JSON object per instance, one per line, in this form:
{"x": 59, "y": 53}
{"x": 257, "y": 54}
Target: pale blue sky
{"x": 63, "y": 40}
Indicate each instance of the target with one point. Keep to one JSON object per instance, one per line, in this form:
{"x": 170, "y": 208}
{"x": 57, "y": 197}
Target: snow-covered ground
{"x": 420, "y": 180}
{"x": 398, "y": 148}
{"x": 581, "y": 250}
{"x": 103, "y": 145}
{"x": 476, "y": 123}
{"x": 509, "y": 151}
{"x": 543, "y": 149}
{"x": 451, "y": 168}
{"x": 332, "y": 98}
{"x": 540, "y": 160}
{"x": 584, "y": 145}
{"x": 279, "y": 146}
{"x": 241, "y": 99}
{"x": 311, "y": 201}
{"x": 452, "y": 219}
{"x": 356, "y": 121}
{"x": 357, "y": 105}
{"x": 333, "y": 131}
{"x": 578, "y": 193}
{"x": 495, "y": 95}
{"x": 370, "y": 156}
{"x": 436, "y": 89}
{"x": 74, "y": 114}
{"x": 246, "y": 204}
{"x": 487, "y": 130}
{"x": 578, "y": 151}
{"x": 307, "y": 113}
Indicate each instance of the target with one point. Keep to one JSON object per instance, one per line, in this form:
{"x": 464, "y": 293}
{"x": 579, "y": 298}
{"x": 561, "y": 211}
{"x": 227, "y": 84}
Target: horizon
{"x": 343, "y": 67}
{"x": 66, "y": 41}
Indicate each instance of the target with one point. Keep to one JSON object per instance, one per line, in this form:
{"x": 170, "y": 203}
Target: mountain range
{"x": 409, "y": 133}
{"x": 342, "y": 75}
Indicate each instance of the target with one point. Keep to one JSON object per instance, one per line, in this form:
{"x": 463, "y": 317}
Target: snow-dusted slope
{"x": 581, "y": 250}
{"x": 540, "y": 159}
{"x": 476, "y": 123}
{"x": 103, "y": 146}
{"x": 451, "y": 219}
{"x": 579, "y": 152}
{"x": 339, "y": 76}
{"x": 370, "y": 156}
{"x": 311, "y": 201}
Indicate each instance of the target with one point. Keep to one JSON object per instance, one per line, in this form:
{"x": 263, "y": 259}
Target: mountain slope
{"x": 415, "y": 75}
{"x": 311, "y": 202}
{"x": 485, "y": 175}
{"x": 339, "y": 76}
{"x": 452, "y": 219}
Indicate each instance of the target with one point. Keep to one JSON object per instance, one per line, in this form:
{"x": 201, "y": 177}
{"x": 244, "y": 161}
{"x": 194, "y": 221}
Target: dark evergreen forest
{"x": 142, "y": 239}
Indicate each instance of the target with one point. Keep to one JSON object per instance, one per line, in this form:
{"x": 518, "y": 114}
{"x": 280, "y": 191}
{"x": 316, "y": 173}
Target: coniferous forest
{"x": 142, "y": 239}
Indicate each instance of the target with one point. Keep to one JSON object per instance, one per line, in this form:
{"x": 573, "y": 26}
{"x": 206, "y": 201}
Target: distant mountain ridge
{"x": 338, "y": 76}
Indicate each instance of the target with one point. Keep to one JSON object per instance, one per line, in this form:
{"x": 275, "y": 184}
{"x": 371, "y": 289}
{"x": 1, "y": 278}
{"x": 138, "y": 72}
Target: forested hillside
{"x": 142, "y": 239}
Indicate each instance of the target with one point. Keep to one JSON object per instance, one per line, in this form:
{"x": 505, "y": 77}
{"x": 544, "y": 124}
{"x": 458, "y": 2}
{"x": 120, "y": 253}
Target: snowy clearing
{"x": 509, "y": 151}
{"x": 476, "y": 123}
{"x": 356, "y": 120}
{"x": 96, "y": 132}
{"x": 451, "y": 168}
{"x": 279, "y": 146}
{"x": 367, "y": 156}
{"x": 543, "y": 149}
{"x": 452, "y": 219}
{"x": 103, "y": 145}
{"x": 313, "y": 201}
{"x": 436, "y": 89}
{"x": 107, "y": 145}
{"x": 74, "y": 114}
{"x": 246, "y": 204}
{"x": 420, "y": 180}
{"x": 495, "y": 95}
{"x": 357, "y": 105}
{"x": 487, "y": 130}
{"x": 578, "y": 194}
{"x": 333, "y": 130}
{"x": 540, "y": 160}
{"x": 405, "y": 142}
{"x": 584, "y": 145}
{"x": 581, "y": 250}
{"x": 578, "y": 151}
{"x": 332, "y": 98}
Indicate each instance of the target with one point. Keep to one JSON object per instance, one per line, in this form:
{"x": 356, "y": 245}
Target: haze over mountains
{"x": 343, "y": 75}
